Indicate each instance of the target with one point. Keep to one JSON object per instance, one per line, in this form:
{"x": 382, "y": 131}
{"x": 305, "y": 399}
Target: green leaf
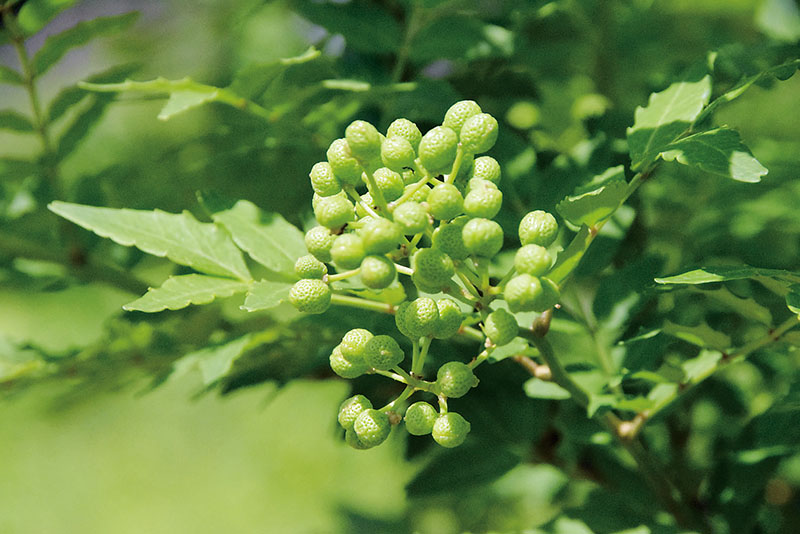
{"x": 744, "y": 306}
{"x": 35, "y": 14}
{"x": 11, "y": 120}
{"x": 668, "y": 115}
{"x": 17, "y": 168}
{"x": 365, "y": 27}
{"x": 541, "y": 389}
{"x": 725, "y": 273}
{"x": 701, "y": 335}
{"x": 69, "y": 96}
{"x": 267, "y": 237}
{"x": 254, "y": 78}
{"x": 266, "y": 294}
{"x": 81, "y": 126}
{"x": 700, "y": 367}
{"x": 181, "y": 291}
{"x": 179, "y": 237}
{"x": 719, "y": 151}
{"x": 780, "y": 19}
{"x": 516, "y": 346}
{"x": 569, "y": 258}
{"x": 213, "y": 362}
{"x": 10, "y": 76}
{"x": 594, "y": 206}
{"x": 793, "y": 299}
{"x": 59, "y": 44}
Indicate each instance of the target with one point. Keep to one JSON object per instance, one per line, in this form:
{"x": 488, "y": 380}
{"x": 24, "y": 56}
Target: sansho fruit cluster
{"x": 419, "y": 206}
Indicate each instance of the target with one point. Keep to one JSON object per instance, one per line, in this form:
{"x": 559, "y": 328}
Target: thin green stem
{"x": 407, "y": 392}
{"x": 460, "y": 154}
{"x": 423, "y": 353}
{"x": 412, "y": 27}
{"x": 364, "y": 304}
{"x": 377, "y": 194}
{"x": 341, "y": 276}
{"x": 402, "y": 269}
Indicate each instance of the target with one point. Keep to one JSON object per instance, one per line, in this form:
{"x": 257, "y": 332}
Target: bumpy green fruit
{"x": 323, "y": 180}
{"x": 382, "y": 352}
{"x": 523, "y": 293}
{"x": 309, "y": 267}
{"x": 450, "y": 318}
{"x": 501, "y": 327}
{"x": 412, "y": 217}
{"x": 363, "y": 139}
{"x": 345, "y": 167}
{"x": 400, "y": 320}
{"x": 420, "y": 418}
{"x": 449, "y": 240}
{"x": 372, "y": 427}
{"x": 480, "y": 184}
{"x": 407, "y": 130}
{"x": 344, "y": 367}
{"x": 334, "y": 211}
{"x": 482, "y": 237}
{"x": 437, "y": 149}
{"x": 350, "y": 408}
{"x": 389, "y": 182}
{"x": 479, "y": 133}
{"x": 450, "y": 430}
{"x": 319, "y": 241}
{"x": 486, "y": 168}
{"x": 310, "y": 296}
{"x": 421, "y": 317}
{"x": 354, "y": 344}
{"x": 538, "y": 228}
{"x": 377, "y": 272}
{"x": 366, "y": 200}
{"x": 454, "y": 379}
{"x": 532, "y": 259}
{"x": 483, "y": 202}
{"x": 380, "y": 236}
{"x": 426, "y": 286}
{"x": 433, "y": 266}
{"x": 420, "y": 193}
{"x": 351, "y": 439}
{"x": 445, "y": 202}
{"x": 458, "y": 114}
{"x": 397, "y": 153}
{"x": 348, "y": 251}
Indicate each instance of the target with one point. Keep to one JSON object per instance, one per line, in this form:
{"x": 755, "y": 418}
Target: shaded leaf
{"x": 569, "y": 258}
{"x": 594, "y": 206}
{"x": 701, "y": 335}
{"x": 179, "y": 237}
{"x": 541, "y": 389}
{"x": 34, "y": 15}
{"x": 81, "y": 126}
{"x": 793, "y": 299}
{"x": 10, "y": 76}
{"x": 213, "y": 362}
{"x": 723, "y": 273}
{"x": 11, "y": 120}
{"x": 253, "y": 79}
{"x": 69, "y": 96}
{"x": 357, "y": 22}
{"x": 17, "y": 168}
{"x": 266, "y": 294}
{"x": 719, "y": 151}
{"x": 700, "y": 367}
{"x": 746, "y": 307}
{"x": 181, "y": 291}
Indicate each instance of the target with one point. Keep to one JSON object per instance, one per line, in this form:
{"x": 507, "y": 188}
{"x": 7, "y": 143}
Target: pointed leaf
{"x": 69, "y": 96}
{"x": 255, "y": 78}
{"x": 540, "y": 389}
{"x": 267, "y": 237}
{"x": 511, "y": 349}
{"x": 33, "y": 16}
{"x": 11, "y": 120}
{"x": 266, "y": 294}
{"x": 59, "y": 44}
{"x": 213, "y": 362}
{"x": 10, "y": 76}
{"x": 569, "y": 258}
{"x": 701, "y": 335}
{"x": 668, "y": 114}
{"x": 179, "y": 237}
{"x": 793, "y": 299}
{"x": 594, "y": 206}
{"x": 707, "y": 275}
{"x": 181, "y": 291}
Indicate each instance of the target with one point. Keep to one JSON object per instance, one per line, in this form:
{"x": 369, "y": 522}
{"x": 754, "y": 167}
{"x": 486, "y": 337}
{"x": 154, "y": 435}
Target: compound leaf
{"x": 266, "y": 294}
{"x": 357, "y": 22}
{"x": 594, "y": 206}
{"x": 11, "y": 120}
{"x": 10, "y": 76}
{"x": 181, "y": 291}
{"x": 179, "y": 237}
{"x": 81, "y": 126}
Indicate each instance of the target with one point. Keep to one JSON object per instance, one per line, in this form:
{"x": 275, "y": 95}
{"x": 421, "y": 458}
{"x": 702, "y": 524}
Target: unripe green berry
{"x": 426, "y": 286}
{"x": 350, "y": 408}
{"x": 380, "y": 236}
{"x": 437, "y": 149}
{"x": 483, "y": 202}
{"x": 450, "y": 430}
{"x": 445, "y": 202}
{"x": 433, "y": 266}
{"x": 500, "y": 327}
{"x": 309, "y": 267}
{"x": 409, "y": 177}
{"x": 420, "y": 418}
{"x": 482, "y": 237}
{"x": 372, "y": 427}
{"x": 400, "y": 320}
{"x": 334, "y": 211}
{"x": 479, "y": 184}
{"x": 411, "y": 217}
{"x": 538, "y": 228}
{"x": 449, "y": 240}
{"x": 317, "y": 199}
{"x": 347, "y": 251}
{"x": 363, "y": 139}
{"x": 454, "y": 379}
{"x": 351, "y": 439}
{"x": 421, "y": 317}
{"x": 532, "y": 259}
{"x": 382, "y": 353}
{"x": 345, "y": 167}
{"x": 486, "y": 168}
{"x": 310, "y": 296}
{"x": 523, "y": 293}
{"x": 354, "y": 343}
{"x": 458, "y": 114}
{"x": 323, "y": 180}
{"x": 319, "y": 241}
{"x": 377, "y": 272}
{"x": 366, "y": 199}
{"x": 344, "y": 367}
{"x": 389, "y": 182}
{"x": 479, "y": 133}
{"x": 407, "y": 130}
{"x": 450, "y": 318}
{"x": 397, "y": 153}
{"x": 420, "y": 193}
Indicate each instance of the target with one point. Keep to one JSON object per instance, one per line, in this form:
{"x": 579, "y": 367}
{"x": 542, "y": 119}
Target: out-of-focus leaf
{"x": 266, "y": 294}
{"x": 254, "y": 79}
{"x": 17, "y": 168}
{"x": 73, "y": 94}
{"x": 181, "y": 291}
{"x": 516, "y": 346}
{"x": 35, "y": 14}
{"x": 793, "y": 299}
{"x": 59, "y": 44}
{"x": 746, "y": 307}
{"x": 179, "y": 237}
{"x": 10, "y": 76}
{"x": 668, "y": 114}
{"x": 541, "y": 389}
{"x": 11, "y": 120}
{"x": 699, "y": 367}
{"x": 780, "y": 19}
{"x": 594, "y": 206}
{"x": 213, "y": 362}
{"x": 81, "y": 126}
{"x": 365, "y": 27}
{"x": 725, "y": 273}
{"x": 701, "y": 335}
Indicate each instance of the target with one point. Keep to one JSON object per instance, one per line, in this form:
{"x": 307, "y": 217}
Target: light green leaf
{"x": 724, "y": 273}
{"x": 266, "y": 294}
{"x": 541, "y": 389}
{"x": 267, "y": 237}
{"x": 780, "y": 19}
{"x": 793, "y": 299}
{"x": 10, "y": 76}
{"x": 701, "y": 335}
{"x": 181, "y": 291}
{"x": 569, "y": 258}
{"x": 179, "y": 237}
{"x": 719, "y": 151}
{"x": 700, "y": 367}
{"x": 213, "y": 362}
{"x": 516, "y": 346}
{"x": 11, "y": 120}
{"x": 594, "y": 206}
{"x": 668, "y": 115}
{"x": 81, "y": 126}
{"x": 59, "y": 44}
{"x": 69, "y": 96}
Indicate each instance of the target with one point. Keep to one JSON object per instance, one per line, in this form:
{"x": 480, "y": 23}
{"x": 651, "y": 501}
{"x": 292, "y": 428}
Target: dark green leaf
{"x": 10, "y": 76}
{"x": 700, "y": 367}
{"x": 73, "y": 94}
{"x": 701, "y": 335}
{"x": 17, "y": 168}
{"x": 595, "y": 206}
{"x": 254, "y": 78}
{"x": 365, "y": 27}
{"x": 11, "y": 120}
{"x": 793, "y": 299}
{"x": 35, "y": 14}
{"x": 181, "y": 291}
{"x": 266, "y": 294}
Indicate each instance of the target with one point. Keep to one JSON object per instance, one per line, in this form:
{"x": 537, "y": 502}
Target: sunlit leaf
{"x": 725, "y": 273}
{"x": 701, "y": 366}
{"x": 719, "y": 151}
{"x": 594, "y": 206}
{"x": 73, "y": 94}
{"x": 35, "y": 14}
{"x": 541, "y": 389}
{"x": 181, "y": 291}
{"x": 793, "y": 299}
{"x": 266, "y": 294}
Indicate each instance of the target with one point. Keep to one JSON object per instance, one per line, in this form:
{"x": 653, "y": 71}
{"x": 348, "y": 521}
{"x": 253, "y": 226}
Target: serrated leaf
{"x": 56, "y": 46}
{"x": 719, "y": 151}
{"x": 213, "y": 362}
{"x": 267, "y": 237}
{"x": 11, "y": 120}
{"x": 10, "y": 76}
{"x": 668, "y": 115}
{"x": 266, "y": 294}
{"x": 35, "y": 15}
{"x": 725, "y": 273}
{"x": 701, "y": 335}
{"x": 700, "y": 367}
{"x": 179, "y": 237}
{"x": 71, "y": 95}
{"x": 793, "y": 299}
{"x": 542, "y": 389}
{"x": 594, "y": 206}
{"x": 181, "y": 291}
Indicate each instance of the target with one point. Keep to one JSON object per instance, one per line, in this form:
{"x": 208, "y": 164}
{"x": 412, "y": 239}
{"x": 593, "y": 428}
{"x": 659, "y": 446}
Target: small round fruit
{"x": 458, "y": 114}
{"x": 389, "y": 182}
{"x": 380, "y": 236}
{"x": 377, "y": 272}
{"x": 420, "y": 418}
{"x": 347, "y": 251}
{"x": 407, "y": 130}
{"x": 351, "y": 439}
{"x": 309, "y": 266}
{"x": 310, "y": 296}
{"x": 334, "y": 211}
{"x": 538, "y": 228}
{"x": 486, "y": 168}
{"x": 372, "y": 427}
{"x": 319, "y": 241}
{"x": 483, "y": 202}
{"x": 397, "y": 153}
{"x": 433, "y": 266}
{"x": 323, "y": 180}
{"x": 363, "y": 139}
{"x": 382, "y": 352}
{"x": 454, "y": 379}
{"x": 523, "y": 293}
{"x": 354, "y": 344}
{"x": 501, "y": 327}
{"x": 421, "y": 317}
{"x": 479, "y": 133}
{"x": 344, "y": 367}
{"x": 482, "y": 237}
{"x": 450, "y": 430}
{"x": 400, "y": 320}
{"x": 437, "y": 149}
{"x": 420, "y": 194}
{"x": 449, "y": 240}
{"x": 412, "y": 217}
{"x": 532, "y": 259}
{"x": 450, "y": 318}
{"x": 445, "y": 202}
{"x": 350, "y": 408}
{"x": 345, "y": 167}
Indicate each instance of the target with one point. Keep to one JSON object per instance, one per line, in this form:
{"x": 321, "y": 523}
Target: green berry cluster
{"x": 421, "y": 206}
